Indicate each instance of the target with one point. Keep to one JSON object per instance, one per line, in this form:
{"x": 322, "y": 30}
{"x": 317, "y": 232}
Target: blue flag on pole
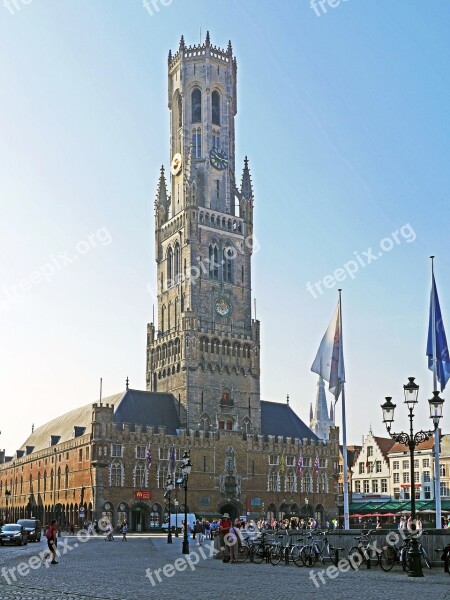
{"x": 442, "y": 355}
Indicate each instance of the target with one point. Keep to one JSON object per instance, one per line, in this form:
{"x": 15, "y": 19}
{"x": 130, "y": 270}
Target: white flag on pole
{"x": 329, "y": 361}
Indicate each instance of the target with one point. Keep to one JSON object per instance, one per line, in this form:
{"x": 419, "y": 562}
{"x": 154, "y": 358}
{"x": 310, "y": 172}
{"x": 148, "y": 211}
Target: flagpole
{"x": 437, "y": 474}
{"x": 344, "y": 427}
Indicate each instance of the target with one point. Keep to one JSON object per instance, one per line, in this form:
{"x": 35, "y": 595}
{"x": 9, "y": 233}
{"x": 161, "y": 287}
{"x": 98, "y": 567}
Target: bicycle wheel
{"x": 308, "y": 556}
{"x": 425, "y": 557}
{"x": 373, "y": 555}
{"x": 356, "y": 557}
{"x": 243, "y": 553}
{"x": 387, "y": 558}
{"x": 257, "y": 554}
{"x": 275, "y": 555}
{"x": 404, "y": 558}
{"x": 296, "y": 556}
{"x": 331, "y": 554}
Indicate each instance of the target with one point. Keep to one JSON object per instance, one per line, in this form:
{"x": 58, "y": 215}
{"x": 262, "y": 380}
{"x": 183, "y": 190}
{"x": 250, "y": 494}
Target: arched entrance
{"x": 139, "y": 517}
{"x": 234, "y": 509}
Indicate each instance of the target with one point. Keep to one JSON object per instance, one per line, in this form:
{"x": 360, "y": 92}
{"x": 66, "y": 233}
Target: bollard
{"x": 286, "y": 555}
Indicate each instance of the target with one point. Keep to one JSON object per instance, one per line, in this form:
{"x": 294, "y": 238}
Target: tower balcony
{"x": 222, "y": 221}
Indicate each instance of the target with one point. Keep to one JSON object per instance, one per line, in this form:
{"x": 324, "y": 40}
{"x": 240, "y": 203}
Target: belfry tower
{"x": 205, "y": 346}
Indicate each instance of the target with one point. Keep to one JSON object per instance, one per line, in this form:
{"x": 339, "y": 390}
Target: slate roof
{"x": 279, "y": 419}
{"x": 133, "y": 407}
{"x": 384, "y": 444}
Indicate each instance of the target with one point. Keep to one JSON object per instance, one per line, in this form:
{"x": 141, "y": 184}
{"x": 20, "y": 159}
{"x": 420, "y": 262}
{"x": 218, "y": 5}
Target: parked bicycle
{"x": 391, "y": 555}
{"x": 365, "y": 550}
{"x": 314, "y": 551}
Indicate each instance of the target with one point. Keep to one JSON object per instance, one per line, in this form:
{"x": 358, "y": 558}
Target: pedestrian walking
{"x": 124, "y": 531}
{"x": 52, "y": 542}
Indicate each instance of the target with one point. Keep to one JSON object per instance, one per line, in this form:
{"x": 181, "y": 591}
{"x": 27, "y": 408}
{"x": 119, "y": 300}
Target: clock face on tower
{"x": 218, "y": 158}
{"x": 223, "y": 307}
{"x": 176, "y": 165}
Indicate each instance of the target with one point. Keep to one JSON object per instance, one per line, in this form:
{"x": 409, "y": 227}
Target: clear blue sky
{"x": 345, "y": 121}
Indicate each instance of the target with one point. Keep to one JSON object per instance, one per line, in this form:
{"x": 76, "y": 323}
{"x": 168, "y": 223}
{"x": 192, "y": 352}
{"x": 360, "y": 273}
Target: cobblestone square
{"x": 117, "y": 571}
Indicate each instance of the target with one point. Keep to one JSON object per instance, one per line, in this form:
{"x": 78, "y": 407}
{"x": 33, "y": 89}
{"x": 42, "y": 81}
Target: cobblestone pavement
{"x": 117, "y": 571}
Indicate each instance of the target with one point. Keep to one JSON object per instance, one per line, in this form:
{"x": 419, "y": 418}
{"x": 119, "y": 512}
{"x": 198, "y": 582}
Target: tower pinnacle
{"x": 246, "y": 184}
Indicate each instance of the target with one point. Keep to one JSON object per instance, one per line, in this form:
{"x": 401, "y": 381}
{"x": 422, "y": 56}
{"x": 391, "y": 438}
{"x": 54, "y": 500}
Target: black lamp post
{"x": 186, "y": 467}
{"x": 169, "y": 488}
{"x": 176, "y": 516}
{"x": 412, "y": 440}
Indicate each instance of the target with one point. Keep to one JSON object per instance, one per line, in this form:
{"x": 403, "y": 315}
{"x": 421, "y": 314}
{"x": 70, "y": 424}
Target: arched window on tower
{"x": 180, "y": 111}
{"x": 176, "y": 264}
{"x": 197, "y": 142}
{"x": 213, "y": 261}
{"x": 196, "y": 100}
{"x": 227, "y": 264}
{"x": 169, "y": 265}
{"x": 215, "y": 101}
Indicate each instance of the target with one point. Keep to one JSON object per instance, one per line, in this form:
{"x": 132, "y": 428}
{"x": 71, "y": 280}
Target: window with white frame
{"x": 426, "y": 463}
{"x": 369, "y": 451}
{"x": 416, "y": 477}
{"x": 289, "y": 482}
{"x": 323, "y": 463}
{"x": 272, "y": 482}
{"x": 357, "y": 487}
{"x": 307, "y": 461}
{"x": 405, "y": 476}
{"x": 426, "y": 476}
{"x": 361, "y": 468}
{"x": 366, "y": 486}
{"x": 116, "y": 474}
{"x": 140, "y": 475}
{"x": 405, "y": 464}
{"x": 442, "y": 470}
{"x": 273, "y": 459}
{"x": 164, "y": 453}
{"x": 396, "y": 477}
{"x": 416, "y": 463}
{"x": 375, "y": 486}
{"x": 140, "y": 451}
{"x": 384, "y": 486}
{"x": 395, "y": 465}
{"x": 443, "y": 488}
{"x": 378, "y": 466}
{"x": 116, "y": 450}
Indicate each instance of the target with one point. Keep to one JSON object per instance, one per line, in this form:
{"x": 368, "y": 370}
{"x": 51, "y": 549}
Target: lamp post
{"x": 412, "y": 440}
{"x": 186, "y": 467}
{"x": 169, "y": 488}
{"x": 176, "y": 516}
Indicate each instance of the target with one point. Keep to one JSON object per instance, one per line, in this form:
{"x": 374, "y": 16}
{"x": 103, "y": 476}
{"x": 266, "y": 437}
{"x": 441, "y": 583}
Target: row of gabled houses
{"x": 379, "y": 470}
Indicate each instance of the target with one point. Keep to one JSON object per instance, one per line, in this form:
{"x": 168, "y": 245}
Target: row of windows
{"x": 405, "y": 464}
{"x": 370, "y": 467}
{"x": 49, "y": 482}
{"x": 377, "y": 486}
{"x": 196, "y": 107}
{"x": 290, "y": 461}
{"x": 225, "y": 348}
{"x": 291, "y": 483}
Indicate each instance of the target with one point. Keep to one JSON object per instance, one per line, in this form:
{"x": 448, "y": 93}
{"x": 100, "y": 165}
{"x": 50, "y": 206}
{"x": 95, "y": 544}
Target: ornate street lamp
{"x": 186, "y": 467}
{"x": 412, "y": 440}
{"x": 176, "y": 516}
{"x": 169, "y": 488}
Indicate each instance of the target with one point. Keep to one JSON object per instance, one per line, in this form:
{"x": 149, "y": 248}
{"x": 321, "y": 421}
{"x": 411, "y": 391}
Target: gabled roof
{"x": 132, "y": 406}
{"x": 384, "y": 444}
{"x": 397, "y": 447}
{"x": 279, "y": 419}
{"x": 153, "y": 409}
